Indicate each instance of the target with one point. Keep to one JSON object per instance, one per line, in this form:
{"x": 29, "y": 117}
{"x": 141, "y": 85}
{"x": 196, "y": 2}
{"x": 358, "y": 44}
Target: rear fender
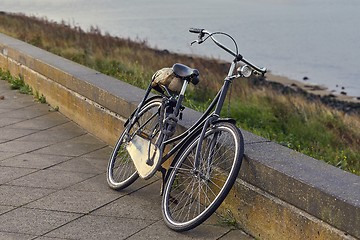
{"x": 146, "y": 102}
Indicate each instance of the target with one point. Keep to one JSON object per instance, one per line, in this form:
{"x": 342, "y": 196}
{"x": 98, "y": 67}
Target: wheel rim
{"x": 121, "y": 169}
{"x": 193, "y": 195}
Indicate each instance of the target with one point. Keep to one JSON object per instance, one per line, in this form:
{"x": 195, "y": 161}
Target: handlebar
{"x": 196, "y": 30}
{"x": 238, "y": 57}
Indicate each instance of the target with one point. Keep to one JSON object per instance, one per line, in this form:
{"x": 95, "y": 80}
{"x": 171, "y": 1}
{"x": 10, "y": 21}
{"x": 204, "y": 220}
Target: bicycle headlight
{"x": 244, "y": 71}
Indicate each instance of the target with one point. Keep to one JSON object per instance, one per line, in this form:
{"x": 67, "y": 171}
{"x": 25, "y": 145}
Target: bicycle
{"x": 207, "y": 156}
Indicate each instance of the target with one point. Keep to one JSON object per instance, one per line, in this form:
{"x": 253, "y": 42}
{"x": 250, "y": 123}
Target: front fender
{"x": 230, "y": 120}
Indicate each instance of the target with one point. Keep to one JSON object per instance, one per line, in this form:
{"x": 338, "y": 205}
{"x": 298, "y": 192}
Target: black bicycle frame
{"x": 205, "y": 120}
{"x": 208, "y": 116}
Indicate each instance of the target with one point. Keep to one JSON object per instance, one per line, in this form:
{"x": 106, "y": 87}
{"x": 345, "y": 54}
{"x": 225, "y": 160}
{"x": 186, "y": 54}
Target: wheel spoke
{"x": 198, "y": 192}
{"x": 121, "y": 170}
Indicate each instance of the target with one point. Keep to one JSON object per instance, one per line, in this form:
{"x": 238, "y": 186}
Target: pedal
{"x": 139, "y": 150}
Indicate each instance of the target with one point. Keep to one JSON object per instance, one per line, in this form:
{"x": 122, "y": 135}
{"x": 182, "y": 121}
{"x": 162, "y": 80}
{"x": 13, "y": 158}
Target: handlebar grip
{"x": 196, "y": 30}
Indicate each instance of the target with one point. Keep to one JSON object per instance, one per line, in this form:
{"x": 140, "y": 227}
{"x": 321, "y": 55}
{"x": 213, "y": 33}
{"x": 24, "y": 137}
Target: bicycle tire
{"x": 185, "y": 203}
{"x": 121, "y": 171}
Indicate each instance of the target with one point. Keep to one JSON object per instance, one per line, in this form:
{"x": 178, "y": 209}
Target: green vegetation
{"x": 40, "y": 98}
{"x": 307, "y": 127}
{"x": 17, "y": 83}
{"x": 228, "y": 219}
{"x": 289, "y": 119}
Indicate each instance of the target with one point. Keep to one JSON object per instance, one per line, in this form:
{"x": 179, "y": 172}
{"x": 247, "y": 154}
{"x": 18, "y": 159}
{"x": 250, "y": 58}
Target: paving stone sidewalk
{"x": 53, "y": 184}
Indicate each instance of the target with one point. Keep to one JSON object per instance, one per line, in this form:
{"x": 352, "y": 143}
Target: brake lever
{"x": 200, "y": 39}
{"x": 197, "y": 41}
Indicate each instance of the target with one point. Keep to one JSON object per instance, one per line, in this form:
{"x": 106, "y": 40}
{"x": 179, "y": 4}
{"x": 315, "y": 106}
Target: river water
{"x": 319, "y": 39}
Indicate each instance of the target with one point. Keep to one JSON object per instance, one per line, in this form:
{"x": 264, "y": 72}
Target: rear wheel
{"x": 193, "y": 193}
{"x": 121, "y": 171}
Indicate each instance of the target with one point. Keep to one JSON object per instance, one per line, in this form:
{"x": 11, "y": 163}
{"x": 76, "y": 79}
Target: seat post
{"x": 181, "y": 97}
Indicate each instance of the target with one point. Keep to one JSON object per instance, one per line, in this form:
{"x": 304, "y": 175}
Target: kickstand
{"x": 163, "y": 174}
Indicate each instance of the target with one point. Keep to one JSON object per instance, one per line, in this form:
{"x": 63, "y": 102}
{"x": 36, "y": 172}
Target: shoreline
{"x": 314, "y": 89}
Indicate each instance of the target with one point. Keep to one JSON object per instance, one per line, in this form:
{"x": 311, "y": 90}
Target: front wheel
{"x": 195, "y": 190}
{"x": 121, "y": 171}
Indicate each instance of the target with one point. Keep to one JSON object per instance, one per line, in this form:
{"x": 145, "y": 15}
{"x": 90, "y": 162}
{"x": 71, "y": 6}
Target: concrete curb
{"x": 280, "y": 194}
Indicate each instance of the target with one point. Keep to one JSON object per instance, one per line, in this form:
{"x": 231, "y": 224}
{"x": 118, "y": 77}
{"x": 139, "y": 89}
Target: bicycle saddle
{"x": 184, "y": 71}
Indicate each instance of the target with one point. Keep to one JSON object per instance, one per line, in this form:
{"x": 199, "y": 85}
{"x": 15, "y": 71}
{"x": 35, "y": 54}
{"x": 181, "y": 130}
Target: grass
{"x": 18, "y": 83}
{"x": 228, "y": 219}
{"x": 310, "y": 128}
{"x": 307, "y": 126}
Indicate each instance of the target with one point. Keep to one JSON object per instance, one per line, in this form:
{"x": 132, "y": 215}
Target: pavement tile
{"x": 16, "y": 102}
{"x": 34, "y": 221}
{"x": 59, "y": 133}
{"x": 140, "y": 208}
{"x": 10, "y": 173}
{"x": 94, "y": 184}
{"x": 50, "y": 179}
{"x": 3, "y": 110}
{"x": 42, "y": 122}
{"x": 73, "y": 201}
{"x": 49, "y": 238}
{"x": 83, "y": 164}
{"x": 49, "y": 136}
{"x": 103, "y": 153}
{"x": 68, "y": 128}
{"x": 15, "y": 236}
{"x": 99, "y": 184}
{"x": 145, "y": 204}
{"x": 236, "y": 234}
{"x": 29, "y": 112}
{"x": 6, "y": 121}
{"x": 86, "y": 138}
{"x": 2, "y": 91}
{"x": 5, "y": 155}
{"x": 4, "y": 209}
{"x": 18, "y": 196}
{"x": 160, "y": 231}
{"x": 8, "y": 133}
{"x": 100, "y": 227}
{"x": 18, "y": 146}
{"x": 33, "y": 160}
{"x": 71, "y": 149}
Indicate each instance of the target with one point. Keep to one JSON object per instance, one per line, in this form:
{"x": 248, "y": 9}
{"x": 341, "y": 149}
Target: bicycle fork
{"x": 215, "y": 116}
{"x": 209, "y": 158}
